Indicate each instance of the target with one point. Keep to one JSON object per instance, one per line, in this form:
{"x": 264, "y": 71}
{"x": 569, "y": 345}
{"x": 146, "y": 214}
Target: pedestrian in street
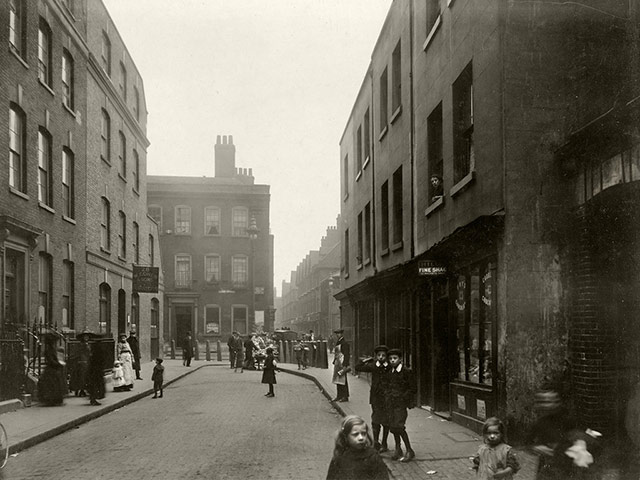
{"x": 341, "y": 354}
{"x": 249, "y": 348}
{"x": 495, "y": 459}
{"x": 117, "y": 377}
{"x": 353, "y": 456}
{"x": 135, "y": 350}
{"x": 297, "y": 351}
{"x": 269, "y": 372}
{"x": 400, "y": 395}
{"x": 379, "y": 368}
{"x": 80, "y": 362}
{"x": 95, "y": 373}
{"x": 158, "y": 378}
{"x": 52, "y": 386}
{"x": 125, "y": 355}
{"x": 551, "y": 436}
{"x": 234, "y": 343}
{"x": 187, "y": 350}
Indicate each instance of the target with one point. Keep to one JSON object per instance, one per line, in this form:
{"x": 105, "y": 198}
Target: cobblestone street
{"x": 214, "y": 424}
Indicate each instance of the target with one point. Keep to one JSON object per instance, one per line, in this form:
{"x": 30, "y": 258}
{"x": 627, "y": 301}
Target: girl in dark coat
{"x": 353, "y": 457}
{"x": 269, "y": 372}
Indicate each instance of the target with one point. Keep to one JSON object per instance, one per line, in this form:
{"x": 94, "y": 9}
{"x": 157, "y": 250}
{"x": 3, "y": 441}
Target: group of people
{"x": 127, "y": 362}
{"x": 248, "y": 353}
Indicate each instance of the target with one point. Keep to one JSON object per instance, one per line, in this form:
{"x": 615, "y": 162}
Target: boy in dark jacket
{"x": 158, "y": 378}
{"x": 379, "y": 369}
{"x": 399, "y": 396}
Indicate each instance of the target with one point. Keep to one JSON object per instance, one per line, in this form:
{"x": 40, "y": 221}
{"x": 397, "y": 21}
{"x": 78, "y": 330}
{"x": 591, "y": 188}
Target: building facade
{"x": 217, "y": 249}
{"x": 487, "y": 205}
{"x": 308, "y": 301}
{"x": 73, "y": 217}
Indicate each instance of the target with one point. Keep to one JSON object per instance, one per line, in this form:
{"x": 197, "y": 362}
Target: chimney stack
{"x": 225, "y": 157}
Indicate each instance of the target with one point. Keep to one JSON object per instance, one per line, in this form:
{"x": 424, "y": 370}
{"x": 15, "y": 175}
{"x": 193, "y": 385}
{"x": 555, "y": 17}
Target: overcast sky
{"x": 280, "y": 76}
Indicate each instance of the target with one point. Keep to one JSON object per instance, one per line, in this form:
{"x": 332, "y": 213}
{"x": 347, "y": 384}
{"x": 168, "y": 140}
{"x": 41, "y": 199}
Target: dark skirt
{"x": 52, "y": 386}
{"x": 269, "y": 376}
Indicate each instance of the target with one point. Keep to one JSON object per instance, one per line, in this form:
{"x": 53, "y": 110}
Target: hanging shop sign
{"x": 145, "y": 279}
{"x": 430, "y": 268}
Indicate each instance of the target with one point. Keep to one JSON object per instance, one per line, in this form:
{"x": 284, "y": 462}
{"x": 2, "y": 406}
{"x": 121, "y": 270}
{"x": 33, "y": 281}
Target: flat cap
{"x": 394, "y": 351}
{"x": 381, "y": 348}
{"x": 339, "y": 330}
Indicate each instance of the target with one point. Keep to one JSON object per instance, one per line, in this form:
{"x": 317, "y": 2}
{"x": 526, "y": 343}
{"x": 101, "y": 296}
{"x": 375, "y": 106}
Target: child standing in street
{"x": 269, "y": 372}
{"x": 353, "y": 456}
{"x": 117, "y": 376}
{"x": 158, "y": 377}
{"x": 379, "y": 370}
{"x": 399, "y": 396}
{"x": 495, "y": 459}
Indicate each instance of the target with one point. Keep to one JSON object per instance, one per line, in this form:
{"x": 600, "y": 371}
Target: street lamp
{"x": 253, "y": 232}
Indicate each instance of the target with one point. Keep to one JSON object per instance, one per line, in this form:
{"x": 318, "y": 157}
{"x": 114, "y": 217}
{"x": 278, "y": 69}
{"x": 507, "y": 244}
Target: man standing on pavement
{"x": 341, "y": 353}
{"x": 235, "y": 346}
{"x": 135, "y": 349}
{"x": 187, "y": 350}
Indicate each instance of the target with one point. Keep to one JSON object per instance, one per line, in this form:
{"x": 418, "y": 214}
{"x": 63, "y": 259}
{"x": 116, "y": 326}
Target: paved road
{"x": 214, "y": 424}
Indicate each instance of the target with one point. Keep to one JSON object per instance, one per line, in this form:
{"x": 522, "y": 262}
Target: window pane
{"x": 212, "y": 221}
{"x": 212, "y": 268}
{"x": 240, "y": 320}
{"x": 212, "y": 320}
{"x": 474, "y": 327}
{"x": 487, "y": 334}
{"x": 612, "y": 171}
{"x": 240, "y": 222}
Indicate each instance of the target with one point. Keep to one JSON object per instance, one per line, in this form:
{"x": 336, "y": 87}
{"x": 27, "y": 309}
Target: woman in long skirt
{"x": 125, "y": 355}
{"x": 52, "y": 385}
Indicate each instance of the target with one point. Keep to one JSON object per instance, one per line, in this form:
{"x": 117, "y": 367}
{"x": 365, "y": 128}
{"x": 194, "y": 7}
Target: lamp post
{"x": 253, "y": 232}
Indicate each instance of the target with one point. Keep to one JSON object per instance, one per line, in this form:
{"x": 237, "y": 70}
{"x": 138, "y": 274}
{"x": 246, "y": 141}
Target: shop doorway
{"x": 184, "y": 322}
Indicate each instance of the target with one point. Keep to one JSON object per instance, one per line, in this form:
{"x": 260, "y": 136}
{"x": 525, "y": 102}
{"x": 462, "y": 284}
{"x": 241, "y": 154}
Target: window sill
{"x": 212, "y": 235}
{"x": 182, "y": 234}
{"x": 359, "y": 266}
{"x": 384, "y": 252}
{"x": 463, "y": 183}
{"x": 68, "y": 109}
{"x": 366, "y": 162}
{"x": 358, "y": 175}
{"x": 396, "y": 114}
{"x": 47, "y": 87}
{"x": 122, "y": 259}
{"x": 346, "y": 196}
{"x": 383, "y": 132}
{"x": 68, "y": 219}
{"x": 104, "y": 250}
{"x": 122, "y": 178}
{"x": 367, "y": 261}
{"x": 433, "y": 31}
{"x": 136, "y": 191}
{"x": 397, "y": 246}
{"x": 46, "y": 207}
{"x": 18, "y": 57}
{"x": 240, "y": 236}
{"x": 20, "y": 194}
{"x": 105, "y": 160}
{"x": 434, "y": 206}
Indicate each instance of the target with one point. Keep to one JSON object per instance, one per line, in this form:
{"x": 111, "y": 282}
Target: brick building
{"x": 489, "y": 171}
{"x": 73, "y": 217}
{"x": 217, "y": 249}
{"x": 307, "y": 300}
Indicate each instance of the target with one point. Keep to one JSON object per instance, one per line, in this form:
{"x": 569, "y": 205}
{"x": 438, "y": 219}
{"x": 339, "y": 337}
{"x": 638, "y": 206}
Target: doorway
{"x": 184, "y": 322}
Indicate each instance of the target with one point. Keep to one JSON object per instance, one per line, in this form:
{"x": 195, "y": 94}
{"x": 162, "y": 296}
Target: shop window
{"x": 104, "y": 321}
{"x": 601, "y": 174}
{"x": 475, "y": 318}
{"x": 155, "y": 318}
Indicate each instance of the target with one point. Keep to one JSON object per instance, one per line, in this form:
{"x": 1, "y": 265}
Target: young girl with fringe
{"x": 354, "y": 457}
{"x": 495, "y": 459}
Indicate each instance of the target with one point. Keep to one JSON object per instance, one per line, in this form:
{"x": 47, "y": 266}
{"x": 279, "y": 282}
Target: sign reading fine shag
{"x": 431, "y": 268}
{"x": 145, "y": 279}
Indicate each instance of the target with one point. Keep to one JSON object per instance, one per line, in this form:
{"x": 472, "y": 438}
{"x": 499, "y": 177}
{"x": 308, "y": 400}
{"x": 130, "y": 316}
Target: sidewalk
{"x": 442, "y": 447}
{"x": 28, "y": 426}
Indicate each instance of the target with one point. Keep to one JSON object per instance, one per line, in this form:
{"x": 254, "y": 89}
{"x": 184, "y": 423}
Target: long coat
{"x": 269, "y": 370}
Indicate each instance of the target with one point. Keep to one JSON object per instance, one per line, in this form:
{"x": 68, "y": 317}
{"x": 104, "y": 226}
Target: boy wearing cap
{"x": 399, "y": 396}
{"x": 379, "y": 369}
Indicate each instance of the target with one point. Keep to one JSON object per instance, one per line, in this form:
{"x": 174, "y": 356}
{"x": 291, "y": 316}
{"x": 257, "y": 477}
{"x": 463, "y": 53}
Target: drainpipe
{"x": 412, "y": 134}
